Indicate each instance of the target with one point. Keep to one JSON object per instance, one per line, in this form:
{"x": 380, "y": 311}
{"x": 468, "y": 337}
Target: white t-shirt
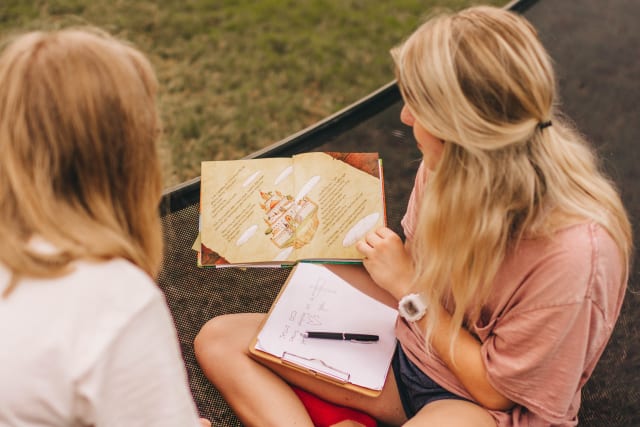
{"x": 97, "y": 347}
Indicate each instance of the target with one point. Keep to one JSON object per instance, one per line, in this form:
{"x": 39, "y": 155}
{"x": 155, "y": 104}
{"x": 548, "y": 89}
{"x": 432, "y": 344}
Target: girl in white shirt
{"x": 86, "y": 336}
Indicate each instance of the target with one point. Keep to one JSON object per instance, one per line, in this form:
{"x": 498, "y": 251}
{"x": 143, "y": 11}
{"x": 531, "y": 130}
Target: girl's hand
{"x": 387, "y": 261}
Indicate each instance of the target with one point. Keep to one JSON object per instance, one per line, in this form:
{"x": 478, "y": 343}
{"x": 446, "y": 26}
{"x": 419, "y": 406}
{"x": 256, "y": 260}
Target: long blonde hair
{"x": 79, "y": 167}
{"x": 481, "y": 81}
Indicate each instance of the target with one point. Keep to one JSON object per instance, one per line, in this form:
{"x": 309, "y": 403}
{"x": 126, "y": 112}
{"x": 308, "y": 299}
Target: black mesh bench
{"x": 596, "y": 54}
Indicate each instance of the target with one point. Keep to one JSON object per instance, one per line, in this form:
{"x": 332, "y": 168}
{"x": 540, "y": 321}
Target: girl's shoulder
{"x": 578, "y": 262}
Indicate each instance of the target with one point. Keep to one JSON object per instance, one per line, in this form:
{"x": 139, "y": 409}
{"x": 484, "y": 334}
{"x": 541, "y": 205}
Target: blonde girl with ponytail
{"x": 517, "y": 244}
{"x": 516, "y": 256}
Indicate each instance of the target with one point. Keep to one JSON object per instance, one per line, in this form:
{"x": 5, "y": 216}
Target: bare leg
{"x": 452, "y": 413}
{"x": 254, "y": 392}
{"x": 259, "y": 392}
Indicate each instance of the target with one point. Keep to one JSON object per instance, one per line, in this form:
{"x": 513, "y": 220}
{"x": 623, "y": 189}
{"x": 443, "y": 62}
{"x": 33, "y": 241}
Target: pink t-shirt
{"x": 548, "y": 320}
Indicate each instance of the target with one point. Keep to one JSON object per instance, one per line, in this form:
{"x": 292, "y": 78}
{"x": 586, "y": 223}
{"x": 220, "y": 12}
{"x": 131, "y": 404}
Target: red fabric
{"x": 325, "y": 414}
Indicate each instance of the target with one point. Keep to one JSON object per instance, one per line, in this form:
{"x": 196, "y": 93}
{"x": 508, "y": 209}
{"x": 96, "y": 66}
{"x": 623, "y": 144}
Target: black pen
{"x": 344, "y": 336}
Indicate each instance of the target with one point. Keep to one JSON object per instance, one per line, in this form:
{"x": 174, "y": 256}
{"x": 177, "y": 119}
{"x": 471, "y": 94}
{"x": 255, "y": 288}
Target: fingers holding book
{"x": 387, "y": 260}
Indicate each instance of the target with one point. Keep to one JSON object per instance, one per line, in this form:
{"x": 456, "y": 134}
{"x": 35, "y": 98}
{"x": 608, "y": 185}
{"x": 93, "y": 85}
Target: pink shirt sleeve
{"x": 544, "y": 346}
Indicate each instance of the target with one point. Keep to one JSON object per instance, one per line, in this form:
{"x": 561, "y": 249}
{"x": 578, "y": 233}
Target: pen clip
{"x": 316, "y": 366}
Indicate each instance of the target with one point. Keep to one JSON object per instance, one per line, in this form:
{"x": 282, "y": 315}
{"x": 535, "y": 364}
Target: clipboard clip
{"x": 316, "y": 367}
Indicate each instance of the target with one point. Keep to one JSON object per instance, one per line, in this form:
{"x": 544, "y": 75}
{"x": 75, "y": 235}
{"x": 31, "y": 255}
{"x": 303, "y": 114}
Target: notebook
{"x": 336, "y": 298}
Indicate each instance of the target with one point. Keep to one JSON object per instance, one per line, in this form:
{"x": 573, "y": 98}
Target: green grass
{"x": 238, "y": 75}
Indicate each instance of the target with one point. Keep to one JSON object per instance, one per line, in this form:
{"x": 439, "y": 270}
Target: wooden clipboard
{"x": 378, "y": 303}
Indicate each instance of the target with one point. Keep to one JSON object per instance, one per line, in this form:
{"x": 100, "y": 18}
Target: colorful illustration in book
{"x": 290, "y": 222}
{"x": 313, "y": 205}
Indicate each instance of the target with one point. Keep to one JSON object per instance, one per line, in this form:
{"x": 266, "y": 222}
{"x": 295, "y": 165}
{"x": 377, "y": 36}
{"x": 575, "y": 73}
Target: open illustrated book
{"x": 277, "y": 211}
{"x": 338, "y": 298}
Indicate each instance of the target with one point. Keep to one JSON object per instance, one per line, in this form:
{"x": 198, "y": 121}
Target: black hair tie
{"x": 543, "y": 125}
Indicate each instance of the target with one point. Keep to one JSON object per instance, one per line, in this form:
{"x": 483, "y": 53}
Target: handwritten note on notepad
{"x": 317, "y": 299}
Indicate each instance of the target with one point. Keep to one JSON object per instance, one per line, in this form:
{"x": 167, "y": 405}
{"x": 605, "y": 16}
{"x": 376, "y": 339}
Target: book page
{"x": 243, "y": 209}
{"x": 316, "y": 299}
{"x": 280, "y": 210}
{"x": 349, "y": 203}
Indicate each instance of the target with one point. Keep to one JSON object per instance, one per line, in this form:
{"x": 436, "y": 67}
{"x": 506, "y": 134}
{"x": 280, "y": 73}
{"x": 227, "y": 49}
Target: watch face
{"x": 412, "y": 307}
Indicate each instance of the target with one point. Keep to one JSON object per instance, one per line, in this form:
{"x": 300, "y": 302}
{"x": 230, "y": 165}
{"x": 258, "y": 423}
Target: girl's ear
{"x": 406, "y": 116}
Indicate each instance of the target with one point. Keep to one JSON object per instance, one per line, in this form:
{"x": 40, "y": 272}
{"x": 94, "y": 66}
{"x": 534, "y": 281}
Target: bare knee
{"x": 224, "y": 340}
{"x": 212, "y": 336}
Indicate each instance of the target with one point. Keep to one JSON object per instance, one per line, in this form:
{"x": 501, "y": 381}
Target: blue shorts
{"x": 415, "y": 387}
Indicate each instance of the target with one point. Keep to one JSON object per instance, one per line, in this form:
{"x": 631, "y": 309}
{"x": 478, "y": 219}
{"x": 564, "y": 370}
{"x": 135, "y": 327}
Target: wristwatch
{"x": 412, "y": 307}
